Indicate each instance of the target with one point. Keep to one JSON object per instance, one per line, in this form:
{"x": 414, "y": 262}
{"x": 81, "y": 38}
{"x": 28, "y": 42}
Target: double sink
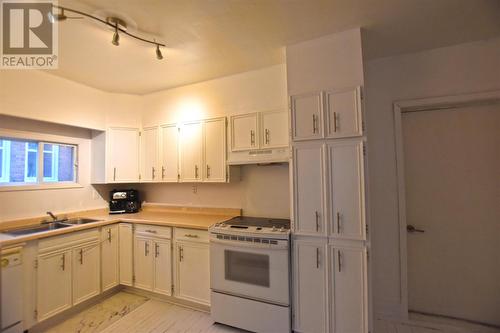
{"x": 47, "y": 226}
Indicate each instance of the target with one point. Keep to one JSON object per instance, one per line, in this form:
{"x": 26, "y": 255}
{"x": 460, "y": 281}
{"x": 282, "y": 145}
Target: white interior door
{"x": 149, "y": 154}
{"x": 191, "y": 151}
{"x": 452, "y": 179}
{"x": 169, "y": 153}
{"x": 215, "y": 150}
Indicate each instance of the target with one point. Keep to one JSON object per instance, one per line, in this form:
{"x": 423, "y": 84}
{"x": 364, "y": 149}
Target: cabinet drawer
{"x": 68, "y": 240}
{"x": 192, "y": 235}
{"x": 153, "y": 230}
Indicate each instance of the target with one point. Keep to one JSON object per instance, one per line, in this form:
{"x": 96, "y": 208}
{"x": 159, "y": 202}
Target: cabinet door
{"x": 86, "y": 273}
{"x": 123, "y": 155}
{"x": 191, "y": 152}
{"x": 307, "y": 116}
{"x": 274, "y": 126}
{"x": 143, "y": 263}
{"x": 110, "y": 274}
{"x": 126, "y": 250}
{"x": 163, "y": 267}
{"x": 149, "y": 155}
{"x": 169, "y": 153}
{"x": 244, "y": 134}
{"x": 193, "y": 272}
{"x": 54, "y": 284}
{"x": 310, "y": 293}
{"x": 343, "y": 110}
{"x": 347, "y": 189}
{"x": 215, "y": 150}
{"x": 349, "y": 291}
{"x": 309, "y": 217}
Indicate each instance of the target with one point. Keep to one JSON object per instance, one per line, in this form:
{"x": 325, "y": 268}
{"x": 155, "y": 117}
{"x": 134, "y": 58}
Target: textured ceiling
{"x": 213, "y": 38}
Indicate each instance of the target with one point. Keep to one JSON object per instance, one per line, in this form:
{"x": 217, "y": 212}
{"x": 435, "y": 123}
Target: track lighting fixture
{"x": 116, "y": 23}
{"x": 159, "y": 56}
{"x": 116, "y": 37}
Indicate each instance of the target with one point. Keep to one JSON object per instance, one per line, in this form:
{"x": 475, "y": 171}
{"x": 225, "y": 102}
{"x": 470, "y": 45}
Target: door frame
{"x": 417, "y": 105}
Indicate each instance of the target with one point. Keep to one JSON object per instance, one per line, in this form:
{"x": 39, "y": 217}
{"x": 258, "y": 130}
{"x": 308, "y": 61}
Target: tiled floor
{"x": 124, "y": 312}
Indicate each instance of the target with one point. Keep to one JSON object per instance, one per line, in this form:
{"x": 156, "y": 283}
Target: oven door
{"x": 256, "y": 271}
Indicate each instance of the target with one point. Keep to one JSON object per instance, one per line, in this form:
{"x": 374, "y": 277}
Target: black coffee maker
{"x": 124, "y": 201}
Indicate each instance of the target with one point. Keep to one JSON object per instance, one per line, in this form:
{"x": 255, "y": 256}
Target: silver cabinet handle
{"x": 338, "y": 222}
{"x": 339, "y": 258}
{"x": 153, "y": 172}
{"x": 151, "y": 231}
{"x": 157, "y": 250}
{"x": 109, "y": 235}
{"x": 317, "y": 257}
{"x": 267, "y": 136}
{"x": 335, "y": 126}
{"x": 317, "y": 220}
{"x": 252, "y": 137}
{"x": 314, "y": 123}
{"x": 191, "y": 236}
{"x": 81, "y": 256}
{"x": 181, "y": 253}
{"x": 146, "y": 249}
{"x": 162, "y": 172}
{"x": 208, "y": 171}
{"x": 195, "y": 171}
{"x": 114, "y": 173}
{"x": 411, "y": 228}
{"x": 63, "y": 258}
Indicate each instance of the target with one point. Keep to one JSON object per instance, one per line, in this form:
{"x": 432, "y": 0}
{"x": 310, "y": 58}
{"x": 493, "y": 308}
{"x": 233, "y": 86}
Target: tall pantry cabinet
{"x": 329, "y": 257}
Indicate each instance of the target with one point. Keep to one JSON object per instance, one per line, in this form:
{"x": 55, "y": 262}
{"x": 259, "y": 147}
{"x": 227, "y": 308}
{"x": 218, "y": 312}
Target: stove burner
{"x": 241, "y": 222}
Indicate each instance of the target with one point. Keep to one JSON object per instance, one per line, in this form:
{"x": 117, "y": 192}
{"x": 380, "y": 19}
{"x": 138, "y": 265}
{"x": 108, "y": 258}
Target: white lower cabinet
{"x": 330, "y": 287}
{"x": 153, "y": 259}
{"x": 192, "y": 267}
{"x": 86, "y": 272}
{"x": 53, "y": 283}
{"x": 349, "y": 304}
{"x": 310, "y": 287}
{"x": 126, "y": 248}
{"x": 110, "y": 256}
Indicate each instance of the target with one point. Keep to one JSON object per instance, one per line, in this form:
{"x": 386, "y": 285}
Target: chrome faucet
{"x": 52, "y": 215}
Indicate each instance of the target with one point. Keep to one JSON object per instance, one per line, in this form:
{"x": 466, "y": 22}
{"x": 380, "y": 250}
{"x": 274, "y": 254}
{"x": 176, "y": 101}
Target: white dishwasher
{"x": 11, "y": 290}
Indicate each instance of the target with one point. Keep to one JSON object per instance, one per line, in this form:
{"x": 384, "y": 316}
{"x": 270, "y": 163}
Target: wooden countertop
{"x": 181, "y": 217}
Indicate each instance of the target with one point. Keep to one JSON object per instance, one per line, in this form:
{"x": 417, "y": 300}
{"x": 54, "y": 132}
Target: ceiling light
{"x": 116, "y": 37}
{"x": 159, "y": 56}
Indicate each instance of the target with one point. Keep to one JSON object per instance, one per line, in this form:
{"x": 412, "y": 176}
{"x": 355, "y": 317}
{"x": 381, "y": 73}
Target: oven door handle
{"x": 250, "y": 245}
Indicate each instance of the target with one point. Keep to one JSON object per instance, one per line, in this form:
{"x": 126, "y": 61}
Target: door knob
{"x": 411, "y": 228}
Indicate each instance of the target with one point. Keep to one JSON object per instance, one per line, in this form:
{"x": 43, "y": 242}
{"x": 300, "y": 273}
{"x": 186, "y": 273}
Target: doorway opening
{"x": 448, "y": 162}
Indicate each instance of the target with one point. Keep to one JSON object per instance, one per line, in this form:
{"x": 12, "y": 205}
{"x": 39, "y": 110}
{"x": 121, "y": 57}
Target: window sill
{"x": 36, "y": 187}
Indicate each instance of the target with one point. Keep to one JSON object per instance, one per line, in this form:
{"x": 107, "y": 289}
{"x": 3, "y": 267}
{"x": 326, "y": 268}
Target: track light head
{"x": 57, "y": 17}
{"x": 116, "y": 37}
{"x": 159, "y": 56}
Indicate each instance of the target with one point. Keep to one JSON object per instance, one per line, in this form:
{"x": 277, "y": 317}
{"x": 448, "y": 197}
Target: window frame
{"x": 54, "y": 152}
{"x": 27, "y": 151}
{"x": 40, "y": 139}
{"x": 5, "y": 151}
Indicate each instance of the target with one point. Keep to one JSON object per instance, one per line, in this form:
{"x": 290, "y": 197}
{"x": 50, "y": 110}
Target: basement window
{"x": 25, "y": 163}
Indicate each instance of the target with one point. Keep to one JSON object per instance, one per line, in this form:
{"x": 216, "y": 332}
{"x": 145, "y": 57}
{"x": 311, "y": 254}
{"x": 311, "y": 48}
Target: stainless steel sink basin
{"x": 79, "y": 220}
{"x": 36, "y": 229}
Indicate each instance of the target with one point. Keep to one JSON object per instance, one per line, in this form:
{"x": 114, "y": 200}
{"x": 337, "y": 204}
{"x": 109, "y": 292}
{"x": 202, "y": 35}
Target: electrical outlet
{"x": 195, "y": 189}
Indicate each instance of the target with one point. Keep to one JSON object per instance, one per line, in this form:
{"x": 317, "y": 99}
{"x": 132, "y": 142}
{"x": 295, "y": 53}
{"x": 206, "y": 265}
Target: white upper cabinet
{"x": 343, "y": 112}
{"x": 274, "y": 129}
{"x": 122, "y": 158}
{"x": 149, "y": 155}
{"x": 349, "y": 308}
{"x": 309, "y": 191}
{"x": 345, "y": 160}
{"x": 169, "y": 154}
{"x": 310, "y": 296}
{"x": 215, "y": 150}
{"x": 244, "y": 134}
{"x": 191, "y": 151}
{"x": 307, "y": 116}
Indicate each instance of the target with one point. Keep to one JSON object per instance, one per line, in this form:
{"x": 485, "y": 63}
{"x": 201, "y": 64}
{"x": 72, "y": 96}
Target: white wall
{"x": 461, "y": 69}
{"x": 38, "y": 95}
{"x": 263, "y": 191}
